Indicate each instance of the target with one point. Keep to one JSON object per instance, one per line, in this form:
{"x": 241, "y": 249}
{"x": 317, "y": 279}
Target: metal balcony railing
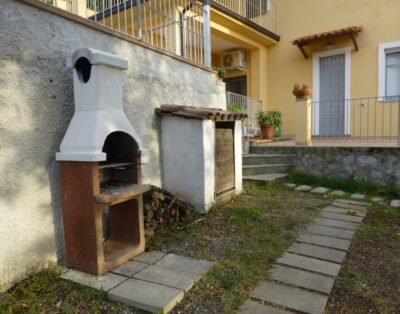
{"x": 244, "y": 104}
{"x": 261, "y": 12}
{"x": 177, "y": 26}
{"x": 362, "y": 120}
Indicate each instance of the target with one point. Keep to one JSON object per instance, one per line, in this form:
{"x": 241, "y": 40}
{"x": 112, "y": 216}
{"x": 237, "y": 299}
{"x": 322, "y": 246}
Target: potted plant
{"x": 221, "y": 73}
{"x": 267, "y": 121}
{"x": 302, "y": 92}
{"x": 278, "y": 123}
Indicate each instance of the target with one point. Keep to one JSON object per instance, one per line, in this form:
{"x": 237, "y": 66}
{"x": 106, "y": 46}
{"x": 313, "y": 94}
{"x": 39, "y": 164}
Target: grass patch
{"x": 243, "y": 238}
{"x": 45, "y": 292}
{"x": 347, "y": 185}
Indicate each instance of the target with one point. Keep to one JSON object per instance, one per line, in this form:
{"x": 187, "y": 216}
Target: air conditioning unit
{"x": 234, "y": 60}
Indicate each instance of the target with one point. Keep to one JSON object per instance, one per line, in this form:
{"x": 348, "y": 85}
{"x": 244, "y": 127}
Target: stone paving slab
{"x": 325, "y": 241}
{"x": 168, "y": 277}
{"x": 292, "y": 298}
{"x": 129, "y": 268}
{"x": 352, "y": 202}
{"x": 348, "y": 206}
{"x": 320, "y": 190}
{"x": 105, "y": 282}
{"x": 309, "y": 263}
{"x": 344, "y": 211}
{"x": 358, "y": 196}
{"x": 395, "y": 203}
{"x": 377, "y": 200}
{"x": 147, "y": 296}
{"x": 252, "y": 307}
{"x": 338, "y": 193}
{"x": 303, "y": 279}
{"x": 150, "y": 257}
{"x": 343, "y": 217}
{"x": 290, "y": 185}
{"x": 310, "y": 250}
{"x": 330, "y": 231}
{"x": 185, "y": 264}
{"x": 303, "y": 188}
{"x": 336, "y": 223}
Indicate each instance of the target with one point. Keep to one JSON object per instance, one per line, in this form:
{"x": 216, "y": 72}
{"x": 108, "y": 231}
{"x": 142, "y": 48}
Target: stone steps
{"x": 265, "y": 169}
{"x": 270, "y": 159}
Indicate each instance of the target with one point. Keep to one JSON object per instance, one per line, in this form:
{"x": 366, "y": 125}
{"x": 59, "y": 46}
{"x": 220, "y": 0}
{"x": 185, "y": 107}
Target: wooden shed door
{"x": 224, "y": 157}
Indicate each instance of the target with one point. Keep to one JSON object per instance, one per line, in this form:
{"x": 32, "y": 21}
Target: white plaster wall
{"x": 36, "y": 105}
{"x": 238, "y": 157}
{"x": 184, "y": 166}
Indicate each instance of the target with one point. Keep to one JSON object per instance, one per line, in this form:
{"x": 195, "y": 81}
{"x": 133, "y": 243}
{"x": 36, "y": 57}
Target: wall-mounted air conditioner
{"x": 234, "y": 60}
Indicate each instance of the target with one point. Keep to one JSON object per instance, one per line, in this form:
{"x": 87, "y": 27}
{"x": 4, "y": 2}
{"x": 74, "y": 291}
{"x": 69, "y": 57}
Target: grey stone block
{"x": 330, "y": 231}
{"x": 303, "y": 279}
{"x": 358, "y": 196}
{"x": 292, "y": 298}
{"x": 352, "y": 202}
{"x": 129, "y": 268}
{"x": 168, "y": 277}
{"x": 344, "y": 211}
{"x": 343, "y": 217}
{"x": 395, "y": 203}
{"x": 309, "y": 263}
{"x": 252, "y": 307}
{"x": 338, "y": 193}
{"x": 347, "y": 206}
{"x": 336, "y": 223}
{"x": 377, "y": 200}
{"x": 303, "y": 188}
{"x": 314, "y": 251}
{"x": 186, "y": 264}
{"x": 320, "y": 190}
{"x": 146, "y": 296}
{"x": 150, "y": 257}
{"x": 290, "y": 185}
{"x": 104, "y": 282}
{"x": 325, "y": 241}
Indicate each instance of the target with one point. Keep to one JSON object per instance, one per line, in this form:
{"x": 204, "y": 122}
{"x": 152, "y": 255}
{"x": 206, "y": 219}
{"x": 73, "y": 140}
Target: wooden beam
{"x": 353, "y": 38}
{"x": 301, "y": 47}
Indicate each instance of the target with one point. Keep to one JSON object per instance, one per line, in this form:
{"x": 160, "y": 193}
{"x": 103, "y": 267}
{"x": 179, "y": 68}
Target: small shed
{"x": 201, "y": 152}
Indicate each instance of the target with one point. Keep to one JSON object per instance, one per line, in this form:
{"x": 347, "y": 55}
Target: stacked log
{"x": 163, "y": 210}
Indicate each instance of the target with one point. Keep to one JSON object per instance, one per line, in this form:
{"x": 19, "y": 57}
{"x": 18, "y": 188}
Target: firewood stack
{"x": 162, "y": 210}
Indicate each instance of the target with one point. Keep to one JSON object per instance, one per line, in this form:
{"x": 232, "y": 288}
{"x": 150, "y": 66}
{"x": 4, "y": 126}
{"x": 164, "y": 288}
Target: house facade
{"x": 349, "y": 56}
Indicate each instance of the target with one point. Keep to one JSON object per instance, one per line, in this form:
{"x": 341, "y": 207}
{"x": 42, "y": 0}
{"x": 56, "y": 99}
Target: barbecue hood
{"x": 97, "y": 78}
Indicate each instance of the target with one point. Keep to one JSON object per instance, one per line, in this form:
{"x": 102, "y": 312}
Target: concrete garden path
{"x": 303, "y": 278}
{"x": 153, "y": 281}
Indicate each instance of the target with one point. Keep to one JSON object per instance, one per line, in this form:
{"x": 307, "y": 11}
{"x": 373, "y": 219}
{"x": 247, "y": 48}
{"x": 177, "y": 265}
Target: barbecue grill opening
{"x": 123, "y": 161}
{"x": 83, "y": 69}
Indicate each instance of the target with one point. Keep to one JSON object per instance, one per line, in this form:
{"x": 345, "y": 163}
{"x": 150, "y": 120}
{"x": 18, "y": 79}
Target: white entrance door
{"x": 331, "y": 89}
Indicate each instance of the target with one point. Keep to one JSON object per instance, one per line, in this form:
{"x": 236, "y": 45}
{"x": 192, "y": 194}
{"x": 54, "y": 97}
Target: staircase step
{"x": 265, "y": 177}
{"x": 250, "y": 170}
{"x": 257, "y": 159}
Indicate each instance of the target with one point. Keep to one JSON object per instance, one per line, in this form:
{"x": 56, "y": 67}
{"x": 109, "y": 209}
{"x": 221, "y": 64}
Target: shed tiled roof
{"x": 335, "y": 33}
{"x": 200, "y": 113}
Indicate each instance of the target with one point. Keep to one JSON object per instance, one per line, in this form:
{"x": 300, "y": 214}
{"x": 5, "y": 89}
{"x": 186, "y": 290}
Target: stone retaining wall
{"x": 377, "y": 165}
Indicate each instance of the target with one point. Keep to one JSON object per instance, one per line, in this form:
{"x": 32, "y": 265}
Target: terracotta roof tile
{"x": 199, "y": 113}
{"x": 335, "y": 33}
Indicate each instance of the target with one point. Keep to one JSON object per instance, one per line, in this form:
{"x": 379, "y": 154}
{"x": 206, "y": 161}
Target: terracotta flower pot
{"x": 302, "y": 94}
{"x": 268, "y": 132}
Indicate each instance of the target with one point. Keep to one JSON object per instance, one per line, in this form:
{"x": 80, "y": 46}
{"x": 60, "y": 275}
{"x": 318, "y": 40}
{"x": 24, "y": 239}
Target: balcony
{"x": 260, "y": 14}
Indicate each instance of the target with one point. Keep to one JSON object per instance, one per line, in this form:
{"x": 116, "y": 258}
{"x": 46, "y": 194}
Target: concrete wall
{"x": 189, "y": 159}
{"x": 286, "y": 64}
{"x": 36, "y": 105}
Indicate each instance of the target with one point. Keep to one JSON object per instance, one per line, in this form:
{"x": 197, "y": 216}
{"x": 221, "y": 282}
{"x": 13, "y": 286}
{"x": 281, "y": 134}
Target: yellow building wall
{"x": 286, "y": 64}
